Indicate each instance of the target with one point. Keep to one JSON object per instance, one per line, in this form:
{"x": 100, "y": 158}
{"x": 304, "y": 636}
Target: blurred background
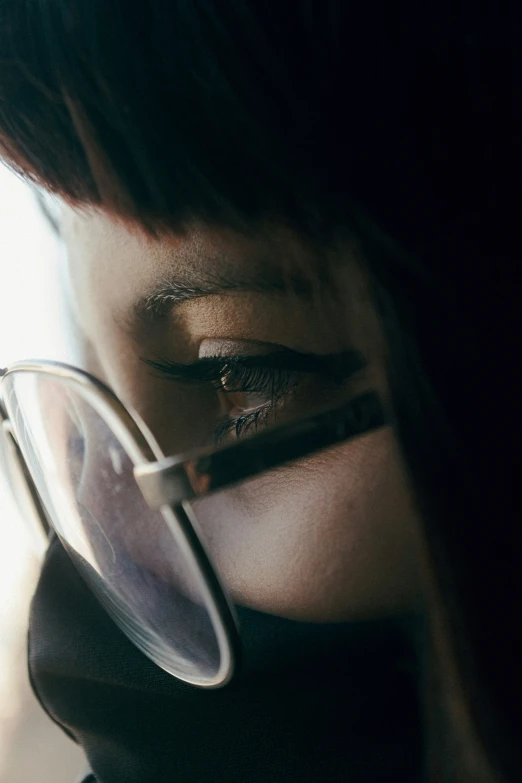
{"x": 33, "y": 325}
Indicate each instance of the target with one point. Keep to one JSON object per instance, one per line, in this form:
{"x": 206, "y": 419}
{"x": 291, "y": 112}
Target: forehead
{"x": 122, "y": 257}
{"x": 115, "y": 266}
{"x": 269, "y": 246}
{"x": 94, "y": 230}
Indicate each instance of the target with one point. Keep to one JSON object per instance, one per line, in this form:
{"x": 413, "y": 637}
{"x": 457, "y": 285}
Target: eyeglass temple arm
{"x": 174, "y": 479}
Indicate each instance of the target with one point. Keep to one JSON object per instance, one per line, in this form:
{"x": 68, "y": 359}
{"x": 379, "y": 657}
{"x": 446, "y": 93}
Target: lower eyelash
{"x": 242, "y": 424}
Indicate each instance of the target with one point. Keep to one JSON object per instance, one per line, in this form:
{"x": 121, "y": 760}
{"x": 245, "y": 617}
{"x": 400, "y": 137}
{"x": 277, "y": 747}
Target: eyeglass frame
{"x": 175, "y": 481}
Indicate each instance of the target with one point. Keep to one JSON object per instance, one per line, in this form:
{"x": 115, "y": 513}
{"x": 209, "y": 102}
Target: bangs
{"x": 167, "y": 111}
{"x": 230, "y": 112}
{"x": 239, "y": 111}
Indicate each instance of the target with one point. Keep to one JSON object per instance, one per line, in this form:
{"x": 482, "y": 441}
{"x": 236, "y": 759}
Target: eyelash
{"x": 275, "y": 375}
{"x": 240, "y": 425}
{"x": 236, "y": 374}
{"x": 275, "y": 383}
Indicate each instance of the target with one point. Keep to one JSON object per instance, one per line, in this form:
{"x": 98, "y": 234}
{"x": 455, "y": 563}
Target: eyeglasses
{"x": 87, "y": 467}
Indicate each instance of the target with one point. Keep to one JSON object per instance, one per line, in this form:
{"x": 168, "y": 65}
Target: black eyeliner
{"x": 338, "y": 367}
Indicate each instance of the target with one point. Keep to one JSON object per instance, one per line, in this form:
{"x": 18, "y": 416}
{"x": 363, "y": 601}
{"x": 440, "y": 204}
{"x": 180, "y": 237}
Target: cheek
{"x": 333, "y": 539}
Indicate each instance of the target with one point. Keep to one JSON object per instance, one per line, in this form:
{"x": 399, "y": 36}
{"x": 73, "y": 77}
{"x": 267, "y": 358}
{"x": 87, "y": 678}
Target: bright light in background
{"x": 32, "y": 326}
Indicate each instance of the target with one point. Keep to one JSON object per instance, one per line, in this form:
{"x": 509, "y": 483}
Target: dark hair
{"x": 399, "y": 122}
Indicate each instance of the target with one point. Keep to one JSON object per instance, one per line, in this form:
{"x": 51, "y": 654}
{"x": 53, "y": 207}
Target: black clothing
{"x": 312, "y": 703}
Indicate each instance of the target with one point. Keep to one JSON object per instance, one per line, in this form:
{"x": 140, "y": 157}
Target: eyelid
{"x": 339, "y": 366}
{"x": 211, "y": 347}
{"x": 229, "y": 374}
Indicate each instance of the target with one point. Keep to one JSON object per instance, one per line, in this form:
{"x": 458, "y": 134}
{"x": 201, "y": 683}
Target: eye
{"x": 257, "y": 390}
{"x": 252, "y": 396}
{"x": 244, "y": 402}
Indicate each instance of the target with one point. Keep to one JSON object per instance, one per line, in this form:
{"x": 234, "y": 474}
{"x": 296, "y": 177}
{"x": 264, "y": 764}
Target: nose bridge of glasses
{"x": 24, "y": 491}
{"x": 3, "y": 412}
{"x": 5, "y": 423}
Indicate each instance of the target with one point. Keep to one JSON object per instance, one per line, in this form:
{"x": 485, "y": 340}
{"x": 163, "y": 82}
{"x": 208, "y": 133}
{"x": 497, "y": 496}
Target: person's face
{"x": 333, "y": 537}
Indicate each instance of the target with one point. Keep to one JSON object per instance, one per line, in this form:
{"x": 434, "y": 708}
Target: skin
{"x": 333, "y": 537}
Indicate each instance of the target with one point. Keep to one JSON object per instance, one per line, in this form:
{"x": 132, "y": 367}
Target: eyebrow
{"x": 172, "y": 293}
